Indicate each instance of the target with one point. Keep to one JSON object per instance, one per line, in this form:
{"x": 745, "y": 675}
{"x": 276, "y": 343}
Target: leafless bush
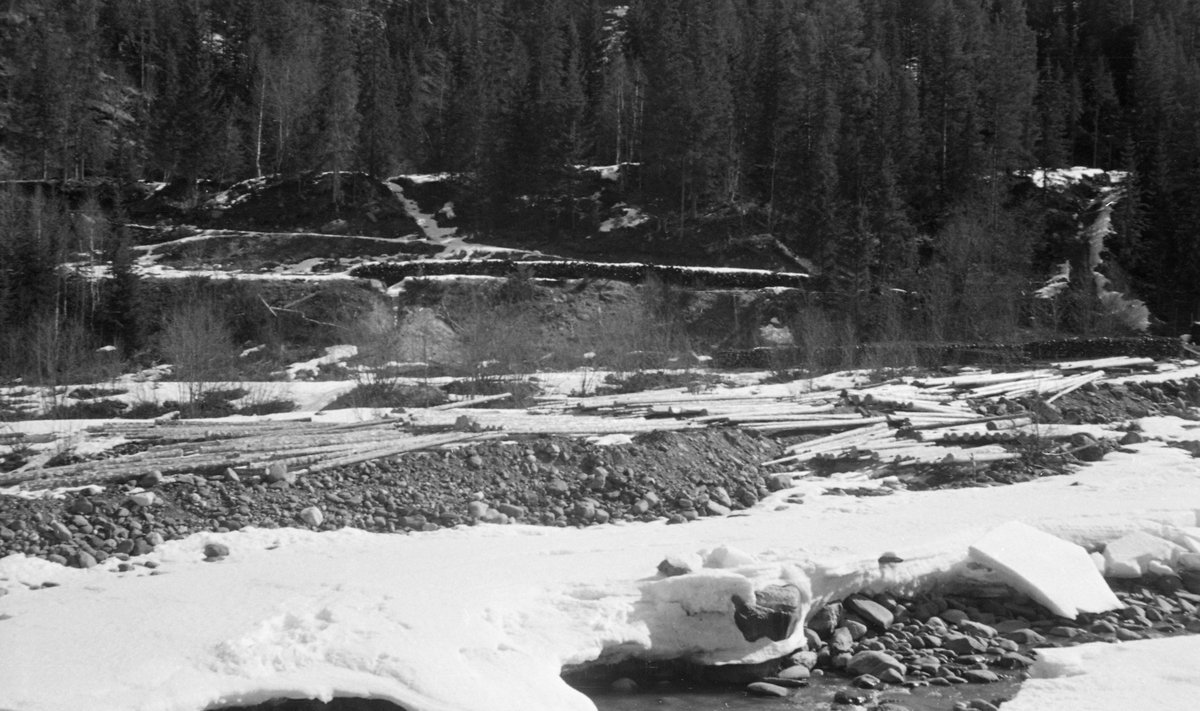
{"x": 196, "y": 340}
{"x": 495, "y": 338}
{"x": 825, "y": 340}
{"x": 645, "y": 331}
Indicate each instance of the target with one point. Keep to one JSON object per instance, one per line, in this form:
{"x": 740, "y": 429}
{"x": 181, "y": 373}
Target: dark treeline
{"x": 866, "y": 134}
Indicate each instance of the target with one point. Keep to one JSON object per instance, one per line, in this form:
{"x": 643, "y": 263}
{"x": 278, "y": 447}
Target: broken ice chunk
{"x": 1129, "y": 555}
{"x": 1056, "y": 573}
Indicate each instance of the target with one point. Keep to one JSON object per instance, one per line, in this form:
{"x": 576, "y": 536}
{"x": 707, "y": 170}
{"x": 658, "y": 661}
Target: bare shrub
{"x": 376, "y": 335}
{"x": 648, "y": 331}
{"x": 196, "y": 340}
{"x": 496, "y": 338}
{"x": 825, "y": 340}
{"x": 59, "y": 353}
{"x": 891, "y": 344}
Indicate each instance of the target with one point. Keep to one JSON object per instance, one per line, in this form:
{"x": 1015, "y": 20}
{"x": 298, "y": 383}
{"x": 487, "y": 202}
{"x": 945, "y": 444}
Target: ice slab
{"x": 1129, "y": 555}
{"x": 1058, "y": 574}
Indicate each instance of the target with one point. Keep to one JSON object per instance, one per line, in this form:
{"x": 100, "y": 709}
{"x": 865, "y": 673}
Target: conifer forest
{"x": 886, "y": 143}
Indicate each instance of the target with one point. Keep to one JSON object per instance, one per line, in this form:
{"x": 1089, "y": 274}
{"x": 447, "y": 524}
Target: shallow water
{"x": 819, "y": 695}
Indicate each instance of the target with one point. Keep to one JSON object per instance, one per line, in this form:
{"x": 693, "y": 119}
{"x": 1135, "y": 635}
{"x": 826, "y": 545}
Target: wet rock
{"x": 873, "y": 613}
{"x": 624, "y": 685}
{"x": 891, "y": 676}
{"x": 796, "y": 672}
{"x": 867, "y": 681}
{"x": 954, "y": 616}
{"x": 762, "y": 688}
{"x": 981, "y": 705}
{"x": 926, "y": 664}
{"x": 841, "y": 642}
{"x": 850, "y": 698}
{"x": 977, "y": 629}
{"x": 806, "y": 659}
{"x": 741, "y": 673}
{"x": 1006, "y": 626}
{"x": 785, "y": 683}
{"x": 773, "y": 615}
{"x": 215, "y": 551}
{"x": 1025, "y": 636}
{"x": 963, "y": 644}
{"x": 980, "y": 676}
{"x": 857, "y": 629}
{"x": 826, "y": 620}
{"x": 1013, "y": 660}
{"x": 1063, "y": 631}
{"x": 874, "y": 663}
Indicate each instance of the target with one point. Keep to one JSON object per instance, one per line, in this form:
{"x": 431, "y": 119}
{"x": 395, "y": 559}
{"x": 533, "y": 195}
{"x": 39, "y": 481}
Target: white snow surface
{"x": 486, "y": 617}
{"x": 1150, "y": 674}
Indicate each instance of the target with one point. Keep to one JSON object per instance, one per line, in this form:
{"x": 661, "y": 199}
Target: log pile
{"x": 245, "y": 448}
{"x": 878, "y": 427}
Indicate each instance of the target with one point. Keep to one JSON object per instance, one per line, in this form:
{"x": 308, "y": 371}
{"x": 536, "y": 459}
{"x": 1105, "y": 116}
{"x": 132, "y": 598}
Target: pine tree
{"x": 379, "y": 134}
{"x": 123, "y": 319}
{"x": 339, "y": 115}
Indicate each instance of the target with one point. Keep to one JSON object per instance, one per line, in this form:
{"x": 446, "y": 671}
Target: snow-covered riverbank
{"x": 486, "y": 617}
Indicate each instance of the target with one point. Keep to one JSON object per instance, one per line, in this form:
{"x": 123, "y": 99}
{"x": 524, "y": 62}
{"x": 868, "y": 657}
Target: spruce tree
{"x": 339, "y": 115}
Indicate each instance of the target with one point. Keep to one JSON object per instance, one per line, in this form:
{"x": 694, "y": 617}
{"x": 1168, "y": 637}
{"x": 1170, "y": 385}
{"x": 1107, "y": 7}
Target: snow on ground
{"x": 1152, "y": 674}
{"x": 1062, "y": 177}
{"x": 445, "y": 236}
{"x": 485, "y": 617}
{"x": 629, "y": 217}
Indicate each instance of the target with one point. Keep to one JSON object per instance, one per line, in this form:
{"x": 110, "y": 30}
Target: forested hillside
{"x": 882, "y": 139}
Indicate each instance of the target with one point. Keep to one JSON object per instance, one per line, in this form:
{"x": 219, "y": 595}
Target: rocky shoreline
{"x": 878, "y": 649}
{"x": 555, "y": 481}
